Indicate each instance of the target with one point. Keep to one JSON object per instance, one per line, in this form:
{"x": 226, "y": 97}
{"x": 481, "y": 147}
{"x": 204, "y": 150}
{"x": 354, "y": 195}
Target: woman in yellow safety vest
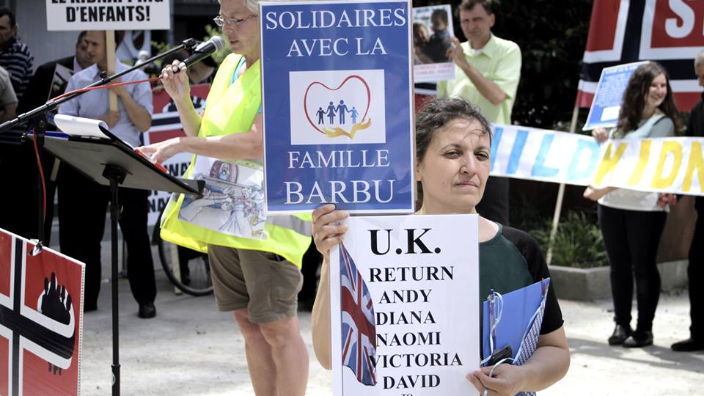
{"x": 255, "y": 260}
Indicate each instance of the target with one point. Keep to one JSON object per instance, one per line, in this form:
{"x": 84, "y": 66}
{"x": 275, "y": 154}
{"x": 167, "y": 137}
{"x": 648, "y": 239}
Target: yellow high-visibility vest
{"x": 232, "y": 108}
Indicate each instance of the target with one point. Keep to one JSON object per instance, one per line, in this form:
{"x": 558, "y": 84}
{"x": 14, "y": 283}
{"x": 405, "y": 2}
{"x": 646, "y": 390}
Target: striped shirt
{"x": 17, "y": 60}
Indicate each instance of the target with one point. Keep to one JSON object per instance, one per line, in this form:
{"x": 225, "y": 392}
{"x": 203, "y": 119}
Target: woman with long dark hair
{"x": 632, "y": 221}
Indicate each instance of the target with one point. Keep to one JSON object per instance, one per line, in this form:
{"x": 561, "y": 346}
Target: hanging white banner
{"x": 102, "y": 15}
{"x": 674, "y": 165}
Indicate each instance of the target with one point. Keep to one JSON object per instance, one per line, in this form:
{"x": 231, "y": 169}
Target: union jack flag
{"x": 358, "y": 324}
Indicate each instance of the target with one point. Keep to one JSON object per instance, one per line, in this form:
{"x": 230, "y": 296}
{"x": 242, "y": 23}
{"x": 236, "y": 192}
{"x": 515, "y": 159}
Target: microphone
{"x": 202, "y": 51}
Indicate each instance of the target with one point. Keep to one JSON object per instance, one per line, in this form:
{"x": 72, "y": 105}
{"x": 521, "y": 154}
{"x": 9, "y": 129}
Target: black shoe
{"x": 90, "y": 307}
{"x": 306, "y": 304}
{"x": 147, "y": 310}
{"x": 689, "y": 345}
{"x": 620, "y": 334}
{"x": 639, "y": 339}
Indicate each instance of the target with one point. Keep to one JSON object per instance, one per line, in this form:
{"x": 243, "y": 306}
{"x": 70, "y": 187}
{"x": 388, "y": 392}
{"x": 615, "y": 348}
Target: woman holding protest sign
{"x": 255, "y": 260}
{"x": 632, "y": 221}
{"x": 453, "y": 143}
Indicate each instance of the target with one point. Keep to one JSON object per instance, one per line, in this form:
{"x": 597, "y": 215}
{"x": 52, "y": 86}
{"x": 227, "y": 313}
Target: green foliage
{"x": 578, "y": 242}
{"x": 160, "y": 47}
{"x": 552, "y": 36}
{"x": 223, "y": 53}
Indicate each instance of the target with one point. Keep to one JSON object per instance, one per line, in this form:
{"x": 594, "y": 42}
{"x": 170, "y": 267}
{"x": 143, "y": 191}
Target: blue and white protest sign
{"x": 337, "y": 106}
{"x": 608, "y": 96}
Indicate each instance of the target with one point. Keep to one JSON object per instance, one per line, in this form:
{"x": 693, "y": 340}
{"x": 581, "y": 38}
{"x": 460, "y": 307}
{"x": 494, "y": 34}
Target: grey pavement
{"x": 192, "y": 349}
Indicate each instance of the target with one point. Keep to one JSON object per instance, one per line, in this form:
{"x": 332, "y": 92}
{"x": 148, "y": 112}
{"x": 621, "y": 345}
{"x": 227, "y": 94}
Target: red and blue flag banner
{"x": 625, "y": 31}
{"x": 358, "y": 324}
{"x": 41, "y": 320}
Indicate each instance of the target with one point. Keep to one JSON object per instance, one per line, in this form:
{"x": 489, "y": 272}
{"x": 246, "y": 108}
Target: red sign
{"x": 40, "y": 320}
{"x": 667, "y": 31}
{"x": 675, "y": 24}
{"x": 165, "y": 120}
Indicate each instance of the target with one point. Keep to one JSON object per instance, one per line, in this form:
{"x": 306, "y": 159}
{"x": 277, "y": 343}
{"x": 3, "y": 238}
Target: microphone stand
{"x": 37, "y": 118}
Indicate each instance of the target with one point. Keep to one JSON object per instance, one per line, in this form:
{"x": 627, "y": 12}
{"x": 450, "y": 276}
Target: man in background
{"x": 83, "y": 203}
{"x": 42, "y": 85}
{"x": 21, "y": 160}
{"x": 8, "y": 99}
{"x": 14, "y": 55}
{"x": 695, "y": 268}
{"x": 487, "y": 73}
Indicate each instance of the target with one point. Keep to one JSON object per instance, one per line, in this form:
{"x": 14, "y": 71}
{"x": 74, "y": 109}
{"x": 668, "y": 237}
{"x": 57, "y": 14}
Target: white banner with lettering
{"x": 108, "y": 15}
{"x": 673, "y": 165}
{"x": 405, "y": 306}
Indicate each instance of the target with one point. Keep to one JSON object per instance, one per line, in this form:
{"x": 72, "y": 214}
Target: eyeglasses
{"x": 220, "y": 21}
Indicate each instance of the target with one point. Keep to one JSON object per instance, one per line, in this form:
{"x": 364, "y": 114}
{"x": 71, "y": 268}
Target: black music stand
{"x": 111, "y": 162}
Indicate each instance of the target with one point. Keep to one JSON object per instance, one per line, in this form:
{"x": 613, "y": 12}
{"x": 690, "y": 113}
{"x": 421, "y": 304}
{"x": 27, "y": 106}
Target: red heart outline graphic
{"x": 305, "y": 97}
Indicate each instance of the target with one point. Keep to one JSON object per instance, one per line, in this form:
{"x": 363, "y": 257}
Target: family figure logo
{"x": 327, "y": 106}
{"x": 336, "y": 127}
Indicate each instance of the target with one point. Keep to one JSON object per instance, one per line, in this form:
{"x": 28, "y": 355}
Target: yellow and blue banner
{"x": 673, "y": 165}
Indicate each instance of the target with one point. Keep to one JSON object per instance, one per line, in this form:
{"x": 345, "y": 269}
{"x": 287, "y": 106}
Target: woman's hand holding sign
{"x": 328, "y": 229}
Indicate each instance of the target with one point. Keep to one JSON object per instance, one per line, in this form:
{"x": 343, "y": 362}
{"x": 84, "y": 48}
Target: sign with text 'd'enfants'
{"x": 337, "y": 105}
{"x": 405, "y": 306}
{"x": 108, "y": 15}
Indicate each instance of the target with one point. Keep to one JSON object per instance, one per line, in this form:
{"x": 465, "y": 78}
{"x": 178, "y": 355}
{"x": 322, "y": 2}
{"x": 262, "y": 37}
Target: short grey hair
{"x": 252, "y": 5}
{"x": 699, "y": 60}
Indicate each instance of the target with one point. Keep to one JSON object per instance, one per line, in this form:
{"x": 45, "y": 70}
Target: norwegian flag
{"x": 626, "y": 31}
{"x": 358, "y": 324}
{"x": 40, "y": 320}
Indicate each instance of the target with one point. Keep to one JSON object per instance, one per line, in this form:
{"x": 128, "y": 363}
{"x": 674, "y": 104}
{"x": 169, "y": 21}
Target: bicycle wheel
{"x": 192, "y": 272}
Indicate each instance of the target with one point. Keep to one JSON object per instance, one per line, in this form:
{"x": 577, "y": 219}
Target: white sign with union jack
{"x": 405, "y": 306}
{"x": 40, "y": 320}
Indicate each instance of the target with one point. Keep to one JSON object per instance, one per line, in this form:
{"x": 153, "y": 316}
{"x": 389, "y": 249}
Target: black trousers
{"x": 695, "y": 274}
{"x": 632, "y": 238}
{"x": 18, "y": 167}
{"x": 82, "y": 213}
{"x": 311, "y": 261}
{"x": 495, "y": 202}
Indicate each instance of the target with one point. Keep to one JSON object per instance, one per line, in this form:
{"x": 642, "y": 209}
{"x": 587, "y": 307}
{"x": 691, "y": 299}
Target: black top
{"x": 695, "y": 128}
{"x": 18, "y": 61}
{"x": 512, "y": 260}
{"x": 39, "y": 85}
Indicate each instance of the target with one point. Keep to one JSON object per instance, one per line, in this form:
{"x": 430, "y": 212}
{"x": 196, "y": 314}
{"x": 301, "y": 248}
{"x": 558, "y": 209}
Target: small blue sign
{"x": 609, "y": 93}
{"x": 338, "y": 109}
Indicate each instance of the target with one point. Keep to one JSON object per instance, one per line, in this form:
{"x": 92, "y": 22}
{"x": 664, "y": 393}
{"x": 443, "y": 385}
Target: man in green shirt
{"x": 487, "y": 73}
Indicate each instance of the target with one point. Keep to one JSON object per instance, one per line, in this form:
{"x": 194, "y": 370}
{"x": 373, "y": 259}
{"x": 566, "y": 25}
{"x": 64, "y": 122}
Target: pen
{"x": 492, "y": 318}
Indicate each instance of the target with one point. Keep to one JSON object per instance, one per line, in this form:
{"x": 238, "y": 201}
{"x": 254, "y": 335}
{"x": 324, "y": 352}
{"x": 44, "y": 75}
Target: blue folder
{"x": 517, "y": 315}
